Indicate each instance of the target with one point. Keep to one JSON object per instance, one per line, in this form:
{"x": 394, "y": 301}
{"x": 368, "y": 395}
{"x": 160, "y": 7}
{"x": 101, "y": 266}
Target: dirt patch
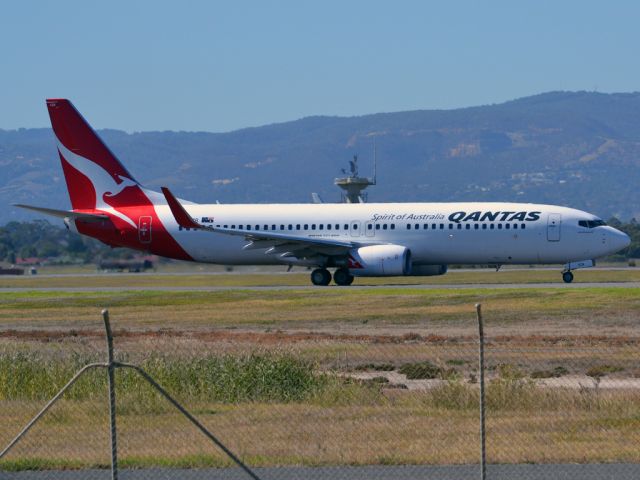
{"x": 285, "y": 337}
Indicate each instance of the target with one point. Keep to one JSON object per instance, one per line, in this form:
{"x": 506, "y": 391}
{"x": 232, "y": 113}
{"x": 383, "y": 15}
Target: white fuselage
{"x": 436, "y": 233}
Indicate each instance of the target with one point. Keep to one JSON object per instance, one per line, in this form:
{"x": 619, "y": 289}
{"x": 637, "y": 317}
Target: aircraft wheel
{"x": 321, "y": 277}
{"x": 342, "y": 277}
{"x": 567, "y": 277}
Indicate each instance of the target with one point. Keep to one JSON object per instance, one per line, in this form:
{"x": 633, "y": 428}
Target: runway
{"x": 618, "y": 471}
{"x": 330, "y": 288}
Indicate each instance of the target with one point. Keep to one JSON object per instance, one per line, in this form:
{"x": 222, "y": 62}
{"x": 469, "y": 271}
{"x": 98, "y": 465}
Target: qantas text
{"x": 458, "y": 217}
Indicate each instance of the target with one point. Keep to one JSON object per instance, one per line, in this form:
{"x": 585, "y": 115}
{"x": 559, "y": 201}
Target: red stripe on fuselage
{"x": 119, "y": 233}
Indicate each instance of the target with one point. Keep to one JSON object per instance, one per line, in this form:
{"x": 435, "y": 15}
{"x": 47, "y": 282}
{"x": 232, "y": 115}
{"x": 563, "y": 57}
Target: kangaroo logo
{"x": 103, "y": 183}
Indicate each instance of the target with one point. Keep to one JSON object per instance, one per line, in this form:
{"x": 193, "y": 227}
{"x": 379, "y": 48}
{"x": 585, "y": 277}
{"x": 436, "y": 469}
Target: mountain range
{"x": 580, "y": 149}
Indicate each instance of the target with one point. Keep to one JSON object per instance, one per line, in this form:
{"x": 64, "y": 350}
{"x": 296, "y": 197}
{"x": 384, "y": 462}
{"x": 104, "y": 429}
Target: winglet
{"x": 178, "y": 211}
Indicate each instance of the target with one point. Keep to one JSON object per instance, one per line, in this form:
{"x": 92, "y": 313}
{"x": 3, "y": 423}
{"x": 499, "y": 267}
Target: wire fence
{"x": 323, "y": 405}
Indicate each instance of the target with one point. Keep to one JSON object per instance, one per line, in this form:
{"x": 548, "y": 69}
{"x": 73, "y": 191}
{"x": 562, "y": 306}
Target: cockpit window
{"x": 591, "y": 223}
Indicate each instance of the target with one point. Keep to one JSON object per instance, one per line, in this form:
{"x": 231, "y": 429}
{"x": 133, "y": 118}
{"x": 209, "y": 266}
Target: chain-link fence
{"x": 325, "y": 404}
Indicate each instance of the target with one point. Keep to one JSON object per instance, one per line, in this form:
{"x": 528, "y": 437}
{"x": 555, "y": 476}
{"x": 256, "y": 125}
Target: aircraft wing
{"x": 96, "y": 217}
{"x": 274, "y": 242}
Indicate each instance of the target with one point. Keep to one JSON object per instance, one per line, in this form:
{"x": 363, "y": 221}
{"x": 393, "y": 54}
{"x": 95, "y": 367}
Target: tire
{"x": 320, "y": 277}
{"x": 342, "y": 277}
{"x": 567, "y": 277}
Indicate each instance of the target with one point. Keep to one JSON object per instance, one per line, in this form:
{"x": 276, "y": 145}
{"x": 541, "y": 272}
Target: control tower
{"x": 353, "y": 185}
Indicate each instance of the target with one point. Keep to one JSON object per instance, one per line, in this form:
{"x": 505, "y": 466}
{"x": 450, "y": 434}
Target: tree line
{"x": 41, "y": 239}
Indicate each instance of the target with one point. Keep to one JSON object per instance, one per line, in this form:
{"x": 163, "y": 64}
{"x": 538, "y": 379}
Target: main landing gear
{"x": 322, "y": 277}
{"x": 342, "y": 277}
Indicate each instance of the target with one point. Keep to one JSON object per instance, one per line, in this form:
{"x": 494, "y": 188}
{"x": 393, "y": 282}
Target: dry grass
{"x": 405, "y": 429}
{"x": 559, "y": 312}
{"x": 339, "y": 329}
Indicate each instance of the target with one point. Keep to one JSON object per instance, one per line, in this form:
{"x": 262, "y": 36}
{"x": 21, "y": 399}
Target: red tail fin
{"x": 91, "y": 170}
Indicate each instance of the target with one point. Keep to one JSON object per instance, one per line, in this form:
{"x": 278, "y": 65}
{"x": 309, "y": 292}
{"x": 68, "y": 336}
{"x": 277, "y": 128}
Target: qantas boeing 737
{"x": 366, "y": 239}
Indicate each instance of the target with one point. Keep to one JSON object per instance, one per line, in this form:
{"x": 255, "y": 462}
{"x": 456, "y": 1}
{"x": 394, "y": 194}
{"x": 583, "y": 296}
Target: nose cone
{"x": 618, "y": 240}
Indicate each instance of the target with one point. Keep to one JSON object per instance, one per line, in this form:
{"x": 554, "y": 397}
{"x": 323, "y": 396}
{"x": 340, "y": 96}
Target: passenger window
{"x": 313, "y": 226}
{"x": 451, "y": 226}
{"x": 467, "y": 226}
{"x": 476, "y": 226}
{"x": 306, "y": 226}
{"x": 417, "y": 226}
{"x": 321, "y": 227}
{"x": 484, "y": 226}
{"x": 377, "y": 226}
{"x": 233, "y": 226}
{"x": 281, "y": 227}
{"x": 499, "y": 226}
{"x": 515, "y": 225}
{"x": 523, "y": 226}
{"x": 491, "y": 226}
{"x": 298, "y": 227}
{"x": 226, "y": 226}
{"x": 239, "y": 227}
{"x": 459, "y": 226}
{"x": 369, "y": 226}
{"x": 441, "y": 226}
{"x": 393, "y": 226}
{"x": 346, "y": 226}
{"x": 273, "y": 227}
{"x": 384, "y": 227}
{"x": 408, "y": 226}
{"x": 266, "y": 227}
{"x": 355, "y": 226}
{"x": 328, "y": 226}
{"x": 257, "y": 227}
{"x": 248, "y": 227}
{"x": 337, "y": 226}
{"x": 507, "y": 226}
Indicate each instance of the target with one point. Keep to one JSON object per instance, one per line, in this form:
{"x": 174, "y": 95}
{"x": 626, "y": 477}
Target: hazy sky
{"x": 218, "y": 66}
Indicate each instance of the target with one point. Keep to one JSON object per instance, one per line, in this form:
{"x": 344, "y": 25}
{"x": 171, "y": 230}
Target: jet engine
{"x": 380, "y": 261}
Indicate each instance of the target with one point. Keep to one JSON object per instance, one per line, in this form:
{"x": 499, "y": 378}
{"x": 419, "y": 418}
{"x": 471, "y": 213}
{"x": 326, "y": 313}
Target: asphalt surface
{"x": 523, "y": 286}
{"x": 617, "y": 471}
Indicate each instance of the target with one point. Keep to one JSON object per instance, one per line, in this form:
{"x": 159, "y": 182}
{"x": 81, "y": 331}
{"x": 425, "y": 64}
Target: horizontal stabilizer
{"x": 65, "y": 213}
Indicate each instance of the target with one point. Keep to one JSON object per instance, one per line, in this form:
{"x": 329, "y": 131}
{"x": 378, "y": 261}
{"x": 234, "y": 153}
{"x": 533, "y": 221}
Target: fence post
{"x": 112, "y": 397}
{"x": 483, "y": 433}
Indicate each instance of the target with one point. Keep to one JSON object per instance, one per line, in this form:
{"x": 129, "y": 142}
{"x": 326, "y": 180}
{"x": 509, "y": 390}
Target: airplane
{"x": 356, "y": 239}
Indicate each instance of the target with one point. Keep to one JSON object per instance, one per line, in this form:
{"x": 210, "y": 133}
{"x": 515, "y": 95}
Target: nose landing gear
{"x": 567, "y": 276}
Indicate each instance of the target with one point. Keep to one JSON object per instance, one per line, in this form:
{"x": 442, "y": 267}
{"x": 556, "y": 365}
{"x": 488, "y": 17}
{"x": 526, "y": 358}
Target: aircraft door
{"x": 354, "y": 228}
{"x": 369, "y": 229}
{"x": 144, "y": 229}
{"x": 554, "y": 223}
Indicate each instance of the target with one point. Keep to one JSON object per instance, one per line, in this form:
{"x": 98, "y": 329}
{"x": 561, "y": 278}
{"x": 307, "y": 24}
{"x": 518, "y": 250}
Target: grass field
{"x": 273, "y": 373}
{"x": 214, "y": 277}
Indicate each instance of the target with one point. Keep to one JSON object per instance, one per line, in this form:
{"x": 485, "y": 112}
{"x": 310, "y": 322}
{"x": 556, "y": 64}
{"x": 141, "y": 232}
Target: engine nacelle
{"x": 428, "y": 270}
{"x": 380, "y": 261}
